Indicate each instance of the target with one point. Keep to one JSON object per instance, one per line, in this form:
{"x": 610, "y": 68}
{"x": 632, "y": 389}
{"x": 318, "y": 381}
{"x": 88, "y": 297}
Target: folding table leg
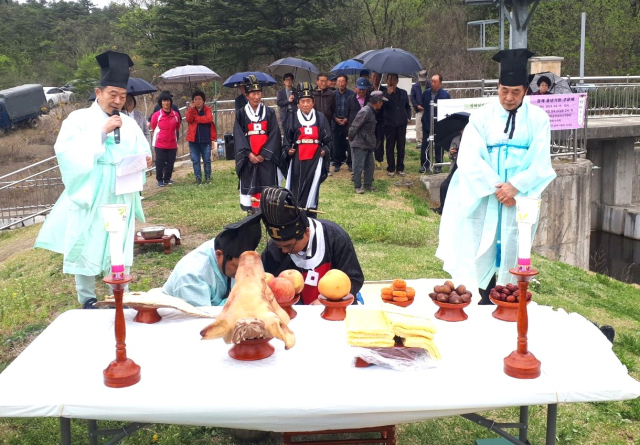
{"x": 93, "y": 427}
{"x": 552, "y": 419}
{"x": 65, "y": 431}
{"x": 524, "y": 420}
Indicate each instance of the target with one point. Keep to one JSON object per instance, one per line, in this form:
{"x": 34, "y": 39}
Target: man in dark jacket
{"x": 431, "y": 94}
{"x": 286, "y": 98}
{"x": 362, "y": 135}
{"x": 325, "y": 100}
{"x": 358, "y": 100}
{"x": 397, "y": 114}
{"x": 416, "y": 101}
{"x": 241, "y": 99}
{"x": 342, "y": 151}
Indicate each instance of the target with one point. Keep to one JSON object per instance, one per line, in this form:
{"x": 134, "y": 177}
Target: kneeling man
{"x": 312, "y": 246}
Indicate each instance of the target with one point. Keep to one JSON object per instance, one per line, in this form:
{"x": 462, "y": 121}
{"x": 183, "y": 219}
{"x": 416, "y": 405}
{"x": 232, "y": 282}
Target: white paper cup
{"x": 115, "y": 216}
{"x": 527, "y": 210}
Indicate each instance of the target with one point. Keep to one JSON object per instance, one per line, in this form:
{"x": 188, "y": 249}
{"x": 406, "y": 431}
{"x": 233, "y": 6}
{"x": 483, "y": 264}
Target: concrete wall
{"x": 565, "y": 218}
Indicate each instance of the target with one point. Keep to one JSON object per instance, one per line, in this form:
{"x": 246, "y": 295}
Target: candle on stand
{"x": 527, "y": 211}
{"x": 115, "y": 217}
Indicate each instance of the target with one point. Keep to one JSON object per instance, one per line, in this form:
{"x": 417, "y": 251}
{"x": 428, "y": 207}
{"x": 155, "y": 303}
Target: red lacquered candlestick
{"x": 522, "y": 364}
{"x": 123, "y": 371}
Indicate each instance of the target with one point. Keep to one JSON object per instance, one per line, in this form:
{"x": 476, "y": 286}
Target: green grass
{"x": 395, "y": 235}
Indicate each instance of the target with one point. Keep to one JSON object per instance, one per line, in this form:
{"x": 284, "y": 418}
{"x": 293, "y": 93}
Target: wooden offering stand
{"x": 123, "y": 371}
{"x": 147, "y": 315}
{"x": 255, "y": 349}
{"x": 335, "y": 310}
{"x": 451, "y": 311}
{"x": 522, "y": 364}
{"x": 288, "y": 307}
{"x": 165, "y": 240}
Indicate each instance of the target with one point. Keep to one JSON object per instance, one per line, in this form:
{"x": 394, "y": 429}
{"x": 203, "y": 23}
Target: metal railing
{"x": 33, "y": 190}
{"x": 28, "y": 192}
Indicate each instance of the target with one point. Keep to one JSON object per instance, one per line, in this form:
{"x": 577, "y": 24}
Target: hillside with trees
{"x": 52, "y": 43}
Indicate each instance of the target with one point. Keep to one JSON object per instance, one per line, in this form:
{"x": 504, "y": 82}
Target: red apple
{"x": 295, "y": 277}
{"x": 282, "y": 289}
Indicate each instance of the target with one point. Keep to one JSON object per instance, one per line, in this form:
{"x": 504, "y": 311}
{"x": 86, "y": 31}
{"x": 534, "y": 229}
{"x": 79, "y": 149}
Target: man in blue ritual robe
{"x": 504, "y": 154}
{"x": 91, "y": 143}
{"x": 205, "y": 275}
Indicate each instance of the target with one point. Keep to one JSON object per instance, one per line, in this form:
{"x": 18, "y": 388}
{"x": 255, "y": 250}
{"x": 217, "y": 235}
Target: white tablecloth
{"x": 313, "y": 386}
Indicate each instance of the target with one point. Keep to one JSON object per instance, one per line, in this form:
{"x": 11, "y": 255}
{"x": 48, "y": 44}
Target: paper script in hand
{"x": 129, "y": 176}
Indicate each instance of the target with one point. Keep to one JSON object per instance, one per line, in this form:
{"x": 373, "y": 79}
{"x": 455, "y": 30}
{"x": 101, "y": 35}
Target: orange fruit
{"x": 334, "y": 285}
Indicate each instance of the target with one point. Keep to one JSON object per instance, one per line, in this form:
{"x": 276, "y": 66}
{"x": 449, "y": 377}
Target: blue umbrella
{"x": 236, "y": 79}
{"x": 301, "y": 69}
{"x": 391, "y": 60}
{"x": 348, "y": 67}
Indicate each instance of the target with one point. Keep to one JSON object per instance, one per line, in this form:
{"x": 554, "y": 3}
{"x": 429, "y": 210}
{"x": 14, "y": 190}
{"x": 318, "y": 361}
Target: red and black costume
{"x": 329, "y": 248}
{"x": 309, "y": 135}
{"x": 257, "y": 132}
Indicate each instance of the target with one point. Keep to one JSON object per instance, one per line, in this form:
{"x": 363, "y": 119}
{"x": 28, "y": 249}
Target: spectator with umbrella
{"x": 378, "y": 153}
{"x": 307, "y": 144}
{"x": 241, "y": 99}
{"x": 286, "y": 98}
{"x": 416, "y": 100}
{"x": 201, "y": 135}
{"x": 397, "y": 115}
{"x": 258, "y": 147}
{"x": 138, "y": 116}
{"x": 544, "y": 83}
{"x": 359, "y": 99}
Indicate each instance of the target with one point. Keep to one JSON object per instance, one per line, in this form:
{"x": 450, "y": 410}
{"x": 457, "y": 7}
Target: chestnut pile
{"x": 509, "y": 293}
{"x": 448, "y": 293}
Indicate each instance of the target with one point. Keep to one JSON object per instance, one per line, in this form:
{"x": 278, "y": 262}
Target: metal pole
{"x": 524, "y": 420}
{"x": 582, "y": 37}
{"x": 575, "y": 146}
{"x": 501, "y": 24}
{"x": 93, "y": 428}
{"x": 432, "y": 107}
{"x": 552, "y": 418}
{"x": 65, "y": 431}
{"x": 215, "y": 102}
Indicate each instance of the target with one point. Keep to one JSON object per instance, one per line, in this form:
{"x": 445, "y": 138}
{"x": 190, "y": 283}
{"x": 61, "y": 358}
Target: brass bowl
{"x": 153, "y": 232}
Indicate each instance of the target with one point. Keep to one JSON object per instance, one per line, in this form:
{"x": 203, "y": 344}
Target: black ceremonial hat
{"x": 513, "y": 66}
{"x": 282, "y": 217}
{"x": 240, "y": 236}
{"x": 114, "y": 68}
{"x": 304, "y": 89}
{"x": 251, "y": 84}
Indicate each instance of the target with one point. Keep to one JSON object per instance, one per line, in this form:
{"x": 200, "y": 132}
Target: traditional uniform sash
{"x": 257, "y": 135}
{"x": 258, "y": 127}
{"x": 308, "y": 142}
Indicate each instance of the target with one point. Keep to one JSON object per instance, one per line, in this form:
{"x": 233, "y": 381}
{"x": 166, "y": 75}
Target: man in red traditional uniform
{"x": 312, "y": 246}
{"x": 258, "y": 147}
{"x": 307, "y": 145}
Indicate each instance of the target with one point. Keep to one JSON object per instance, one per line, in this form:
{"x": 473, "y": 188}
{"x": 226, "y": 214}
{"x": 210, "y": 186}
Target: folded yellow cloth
{"x": 370, "y": 322}
{"x": 426, "y": 344}
{"x": 372, "y": 342}
{"x": 410, "y": 325}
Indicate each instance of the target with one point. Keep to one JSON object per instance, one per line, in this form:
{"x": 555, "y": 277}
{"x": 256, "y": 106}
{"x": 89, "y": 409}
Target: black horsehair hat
{"x": 240, "y": 236}
{"x": 114, "y": 67}
{"x": 281, "y": 215}
{"x": 304, "y": 90}
{"x": 251, "y": 84}
{"x": 513, "y": 66}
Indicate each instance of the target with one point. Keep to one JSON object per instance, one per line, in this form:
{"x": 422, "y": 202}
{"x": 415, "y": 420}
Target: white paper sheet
{"x": 128, "y": 174}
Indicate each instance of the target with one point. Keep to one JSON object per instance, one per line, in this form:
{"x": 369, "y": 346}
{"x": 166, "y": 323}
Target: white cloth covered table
{"x": 314, "y": 386}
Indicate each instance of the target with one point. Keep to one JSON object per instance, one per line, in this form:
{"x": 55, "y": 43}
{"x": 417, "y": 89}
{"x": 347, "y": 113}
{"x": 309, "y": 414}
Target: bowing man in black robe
{"x": 258, "y": 147}
{"x": 306, "y": 146}
{"x": 311, "y": 246}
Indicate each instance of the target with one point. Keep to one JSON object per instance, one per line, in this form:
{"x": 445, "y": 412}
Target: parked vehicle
{"x": 21, "y": 106}
{"x": 56, "y": 96}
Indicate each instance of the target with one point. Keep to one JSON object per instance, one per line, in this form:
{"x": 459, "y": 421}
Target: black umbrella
{"x": 135, "y": 86}
{"x": 391, "y": 60}
{"x": 448, "y": 128}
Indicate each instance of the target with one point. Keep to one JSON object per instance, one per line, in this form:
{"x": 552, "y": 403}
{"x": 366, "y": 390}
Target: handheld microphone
{"x": 116, "y": 132}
